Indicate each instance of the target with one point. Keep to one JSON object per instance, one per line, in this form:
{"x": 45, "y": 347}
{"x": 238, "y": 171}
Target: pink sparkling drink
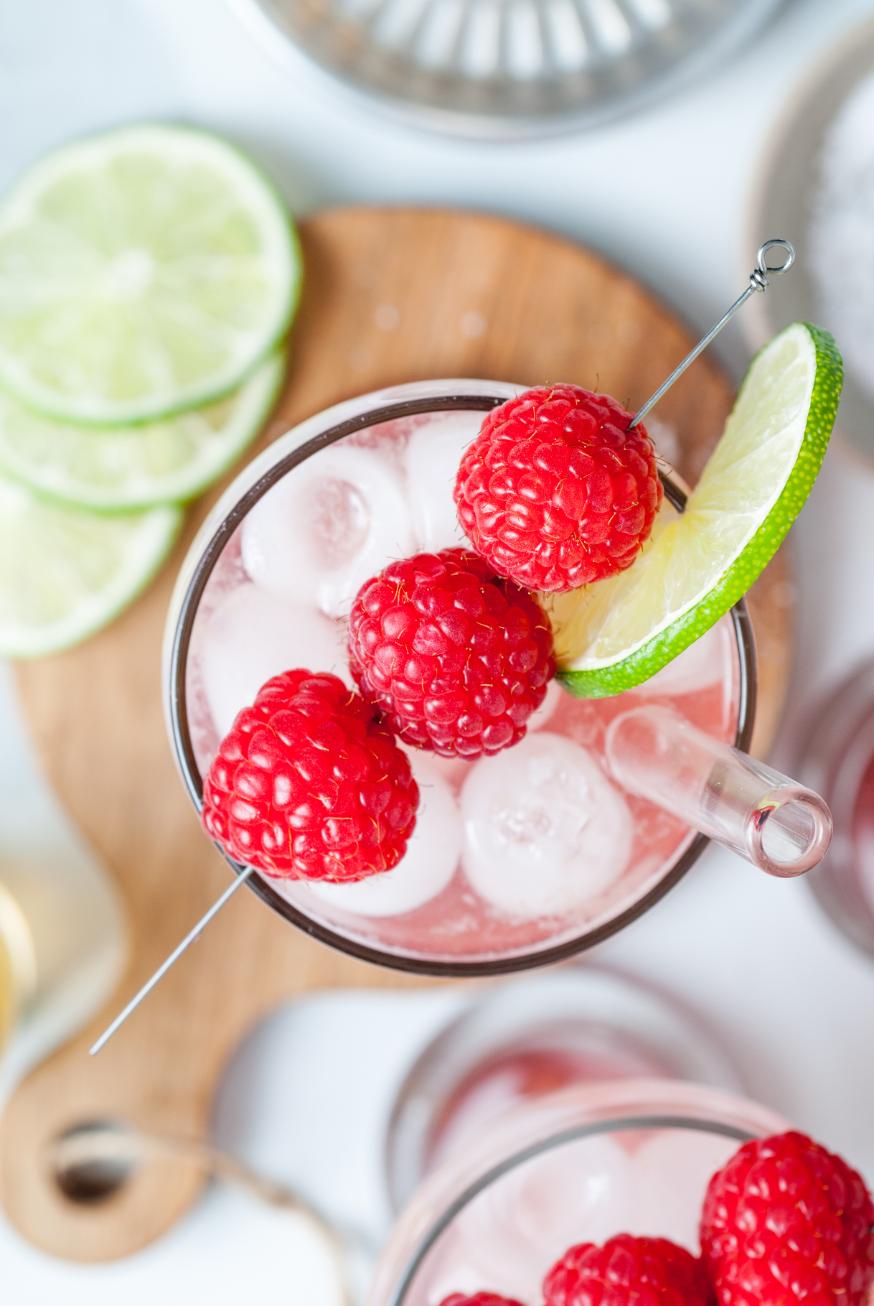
{"x": 582, "y": 1165}
{"x": 515, "y": 1043}
{"x": 517, "y": 859}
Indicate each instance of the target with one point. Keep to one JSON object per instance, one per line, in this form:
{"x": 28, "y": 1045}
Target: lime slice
{"x": 64, "y": 573}
{"x": 617, "y": 633}
{"x": 142, "y": 272}
{"x": 113, "y": 469}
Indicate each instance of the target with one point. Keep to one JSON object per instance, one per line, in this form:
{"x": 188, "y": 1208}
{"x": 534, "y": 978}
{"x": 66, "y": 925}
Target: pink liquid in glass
{"x": 560, "y": 1057}
{"x": 512, "y": 854}
{"x": 579, "y": 1166}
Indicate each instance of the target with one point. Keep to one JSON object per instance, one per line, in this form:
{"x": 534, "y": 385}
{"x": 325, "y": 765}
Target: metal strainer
{"x": 508, "y": 67}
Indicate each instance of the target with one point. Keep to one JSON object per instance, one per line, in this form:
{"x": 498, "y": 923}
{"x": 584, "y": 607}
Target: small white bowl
{"x": 780, "y": 206}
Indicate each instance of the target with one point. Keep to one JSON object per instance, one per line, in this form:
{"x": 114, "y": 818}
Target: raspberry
{"x": 627, "y": 1271}
{"x": 785, "y": 1221}
{"x": 307, "y": 785}
{"x": 479, "y": 1299}
{"x": 455, "y": 658}
{"x": 555, "y": 492}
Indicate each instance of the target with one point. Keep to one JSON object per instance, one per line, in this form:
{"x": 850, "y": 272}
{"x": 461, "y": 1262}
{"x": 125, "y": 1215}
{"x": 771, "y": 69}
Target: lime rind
{"x": 589, "y": 676}
{"x": 80, "y": 339}
{"x": 129, "y": 468}
{"x": 65, "y": 573}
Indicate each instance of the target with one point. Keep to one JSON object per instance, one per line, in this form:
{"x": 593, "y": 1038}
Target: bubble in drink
{"x": 327, "y": 527}
{"x": 545, "y": 830}
{"x": 250, "y": 636}
{"x": 432, "y": 457}
{"x": 426, "y": 867}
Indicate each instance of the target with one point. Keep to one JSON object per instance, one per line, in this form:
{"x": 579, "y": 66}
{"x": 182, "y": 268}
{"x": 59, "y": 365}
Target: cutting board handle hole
{"x": 91, "y": 1161}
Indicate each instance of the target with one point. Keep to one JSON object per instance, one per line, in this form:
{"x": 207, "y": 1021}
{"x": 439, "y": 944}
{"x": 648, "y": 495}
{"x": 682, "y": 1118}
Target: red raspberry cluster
{"x": 554, "y": 492}
{"x": 450, "y": 651}
{"x": 784, "y": 1223}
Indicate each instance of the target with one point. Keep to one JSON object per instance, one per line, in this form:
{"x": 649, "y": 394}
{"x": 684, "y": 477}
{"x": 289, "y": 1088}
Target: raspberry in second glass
{"x": 308, "y": 785}
{"x": 478, "y": 1299}
{"x": 455, "y": 658}
{"x": 786, "y": 1221}
{"x": 627, "y": 1271}
{"x": 555, "y": 492}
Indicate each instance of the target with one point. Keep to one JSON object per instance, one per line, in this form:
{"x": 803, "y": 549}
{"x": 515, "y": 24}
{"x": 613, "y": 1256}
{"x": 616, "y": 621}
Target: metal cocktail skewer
{"x": 759, "y": 281}
{"x": 172, "y": 959}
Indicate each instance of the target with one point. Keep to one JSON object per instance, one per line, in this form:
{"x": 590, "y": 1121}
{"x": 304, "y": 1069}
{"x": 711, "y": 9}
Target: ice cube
{"x": 432, "y": 457}
{"x": 671, "y": 1170}
{"x": 510, "y": 1235}
{"x": 252, "y": 635}
{"x": 699, "y": 667}
{"x": 333, "y": 522}
{"x": 545, "y": 830}
{"x": 427, "y": 866}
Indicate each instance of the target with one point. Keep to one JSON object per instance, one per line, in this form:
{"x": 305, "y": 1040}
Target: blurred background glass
{"x": 507, "y": 69}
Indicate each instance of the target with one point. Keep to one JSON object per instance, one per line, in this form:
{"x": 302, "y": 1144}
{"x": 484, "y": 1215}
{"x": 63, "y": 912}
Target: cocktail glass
{"x": 530, "y": 1037}
{"x": 517, "y": 860}
{"x": 582, "y": 1165}
{"x": 838, "y": 757}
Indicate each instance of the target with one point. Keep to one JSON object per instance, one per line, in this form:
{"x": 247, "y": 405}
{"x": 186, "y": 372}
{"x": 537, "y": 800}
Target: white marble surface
{"x": 666, "y": 194}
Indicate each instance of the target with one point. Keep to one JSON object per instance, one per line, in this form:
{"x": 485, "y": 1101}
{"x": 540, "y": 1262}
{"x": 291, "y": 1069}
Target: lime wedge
{"x": 142, "y": 272}
{"x": 617, "y": 633}
{"x": 111, "y": 469}
{"x": 64, "y": 573}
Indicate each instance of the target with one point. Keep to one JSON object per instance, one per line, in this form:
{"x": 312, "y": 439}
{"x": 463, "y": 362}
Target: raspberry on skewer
{"x": 455, "y": 658}
{"x": 308, "y": 785}
{"x": 556, "y": 491}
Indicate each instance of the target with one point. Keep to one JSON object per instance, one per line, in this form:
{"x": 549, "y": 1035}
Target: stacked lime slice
{"x": 147, "y": 279}
{"x": 617, "y": 633}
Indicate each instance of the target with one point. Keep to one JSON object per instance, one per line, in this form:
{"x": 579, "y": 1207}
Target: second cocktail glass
{"x": 579, "y": 1166}
{"x": 517, "y": 860}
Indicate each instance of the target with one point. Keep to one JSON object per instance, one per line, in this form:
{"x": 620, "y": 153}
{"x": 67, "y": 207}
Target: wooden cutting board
{"x": 390, "y": 295}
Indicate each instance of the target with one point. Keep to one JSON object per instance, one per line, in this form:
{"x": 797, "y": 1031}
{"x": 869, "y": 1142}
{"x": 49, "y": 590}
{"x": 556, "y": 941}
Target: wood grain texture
{"x": 391, "y": 295}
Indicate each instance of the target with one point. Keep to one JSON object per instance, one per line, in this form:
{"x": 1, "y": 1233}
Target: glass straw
{"x": 772, "y": 821}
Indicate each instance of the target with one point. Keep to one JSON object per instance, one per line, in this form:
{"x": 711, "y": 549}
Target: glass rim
{"x": 499, "y": 1017}
{"x": 391, "y": 404}
{"x": 552, "y": 1141}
